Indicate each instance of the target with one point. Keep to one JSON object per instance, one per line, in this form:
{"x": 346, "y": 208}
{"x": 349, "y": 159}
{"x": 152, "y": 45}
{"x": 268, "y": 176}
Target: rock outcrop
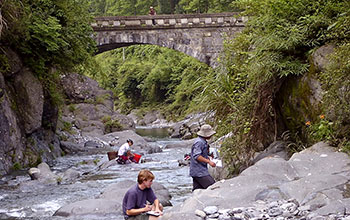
{"x": 317, "y": 179}
{"x": 27, "y": 134}
{"x": 89, "y": 111}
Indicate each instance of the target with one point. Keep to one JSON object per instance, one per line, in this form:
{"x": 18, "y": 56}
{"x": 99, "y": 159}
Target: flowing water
{"x": 41, "y": 202}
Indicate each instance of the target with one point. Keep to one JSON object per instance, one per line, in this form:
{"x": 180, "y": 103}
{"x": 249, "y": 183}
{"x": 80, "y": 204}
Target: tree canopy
{"x": 48, "y": 33}
{"x": 141, "y": 7}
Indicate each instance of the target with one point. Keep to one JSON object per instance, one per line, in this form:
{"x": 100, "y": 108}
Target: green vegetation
{"x": 17, "y": 166}
{"x": 72, "y": 108}
{"x": 258, "y": 66}
{"x": 150, "y": 76}
{"x": 275, "y": 46}
{"x": 67, "y": 126}
{"x": 141, "y": 7}
{"x": 96, "y": 161}
{"x": 48, "y": 33}
{"x": 111, "y": 125}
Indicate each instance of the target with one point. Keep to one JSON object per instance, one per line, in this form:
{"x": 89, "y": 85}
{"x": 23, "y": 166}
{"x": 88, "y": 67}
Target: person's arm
{"x": 205, "y": 160}
{"x": 129, "y": 154}
{"x": 157, "y": 206}
{"x": 139, "y": 210}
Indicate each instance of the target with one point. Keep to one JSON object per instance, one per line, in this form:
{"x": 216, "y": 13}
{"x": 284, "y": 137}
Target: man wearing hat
{"x": 200, "y": 159}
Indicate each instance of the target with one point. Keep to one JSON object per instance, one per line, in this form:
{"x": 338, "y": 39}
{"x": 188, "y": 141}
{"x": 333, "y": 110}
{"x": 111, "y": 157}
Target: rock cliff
{"x": 27, "y": 134}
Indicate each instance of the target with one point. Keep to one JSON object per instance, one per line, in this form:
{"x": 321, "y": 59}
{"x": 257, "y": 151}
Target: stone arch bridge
{"x": 198, "y": 35}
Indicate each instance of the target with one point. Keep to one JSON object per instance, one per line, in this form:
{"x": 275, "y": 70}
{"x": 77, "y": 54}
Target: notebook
{"x": 153, "y": 213}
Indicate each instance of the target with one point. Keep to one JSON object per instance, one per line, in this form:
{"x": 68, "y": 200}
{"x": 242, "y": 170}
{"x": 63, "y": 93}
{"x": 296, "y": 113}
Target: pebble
{"x": 209, "y": 210}
{"x": 200, "y": 213}
{"x": 264, "y": 210}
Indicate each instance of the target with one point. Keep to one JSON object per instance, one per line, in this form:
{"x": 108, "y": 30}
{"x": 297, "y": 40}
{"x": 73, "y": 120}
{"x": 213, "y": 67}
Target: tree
{"x": 49, "y": 33}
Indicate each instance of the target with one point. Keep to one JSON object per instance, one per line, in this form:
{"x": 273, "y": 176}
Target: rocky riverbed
{"x": 96, "y": 186}
{"x": 312, "y": 184}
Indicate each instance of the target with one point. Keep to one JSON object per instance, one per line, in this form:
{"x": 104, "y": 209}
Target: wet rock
{"x": 154, "y": 149}
{"x": 46, "y": 176}
{"x": 70, "y": 175}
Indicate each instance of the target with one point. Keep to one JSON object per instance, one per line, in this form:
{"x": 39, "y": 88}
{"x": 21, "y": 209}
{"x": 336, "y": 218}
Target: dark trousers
{"x": 202, "y": 182}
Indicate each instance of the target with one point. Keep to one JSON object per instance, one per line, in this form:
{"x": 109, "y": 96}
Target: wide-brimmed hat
{"x": 206, "y": 131}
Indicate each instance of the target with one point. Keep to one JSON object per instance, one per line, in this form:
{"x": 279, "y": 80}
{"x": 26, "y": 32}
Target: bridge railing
{"x": 168, "y": 21}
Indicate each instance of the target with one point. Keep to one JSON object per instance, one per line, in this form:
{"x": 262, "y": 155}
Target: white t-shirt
{"x": 124, "y": 148}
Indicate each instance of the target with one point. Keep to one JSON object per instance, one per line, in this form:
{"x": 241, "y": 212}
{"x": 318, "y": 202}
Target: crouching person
{"x": 135, "y": 206}
{"x": 124, "y": 153}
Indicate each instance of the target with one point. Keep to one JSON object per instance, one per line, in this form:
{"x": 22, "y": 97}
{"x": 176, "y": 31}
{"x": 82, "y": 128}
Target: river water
{"x": 18, "y": 202}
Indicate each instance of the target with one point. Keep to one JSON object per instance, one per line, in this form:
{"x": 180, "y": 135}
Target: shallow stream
{"x": 41, "y": 203}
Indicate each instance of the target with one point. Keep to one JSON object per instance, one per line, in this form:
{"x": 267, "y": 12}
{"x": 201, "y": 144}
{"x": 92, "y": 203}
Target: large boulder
{"x": 28, "y": 119}
{"x": 278, "y": 148}
{"x": 110, "y": 201}
{"x": 29, "y": 99}
{"x": 79, "y": 88}
{"x": 188, "y": 128}
{"x": 321, "y": 56}
{"x": 316, "y": 177}
{"x": 118, "y": 138}
{"x": 43, "y": 174}
{"x": 90, "y": 206}
{"x": 11, "y": 141}
{"x": 117, "y": 191}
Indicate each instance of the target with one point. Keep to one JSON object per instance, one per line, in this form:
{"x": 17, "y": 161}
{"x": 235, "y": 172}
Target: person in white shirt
{"x": 124, "y": 153}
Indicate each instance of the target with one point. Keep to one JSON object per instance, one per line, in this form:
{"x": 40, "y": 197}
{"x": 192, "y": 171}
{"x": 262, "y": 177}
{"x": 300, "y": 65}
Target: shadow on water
{"x": 17, "y": 202}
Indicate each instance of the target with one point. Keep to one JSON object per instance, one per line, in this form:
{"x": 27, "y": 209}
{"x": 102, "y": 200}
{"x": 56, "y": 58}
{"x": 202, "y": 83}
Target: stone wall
{"x": 198, "y": 35}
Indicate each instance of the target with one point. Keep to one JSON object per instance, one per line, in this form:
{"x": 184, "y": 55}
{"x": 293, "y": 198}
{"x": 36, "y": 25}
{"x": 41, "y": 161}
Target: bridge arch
{"x": 198, "y": 35}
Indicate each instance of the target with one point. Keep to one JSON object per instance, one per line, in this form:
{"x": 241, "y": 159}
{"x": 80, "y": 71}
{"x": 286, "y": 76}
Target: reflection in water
{"x": 37, "y": 202}
{"x": 153, "y": 132}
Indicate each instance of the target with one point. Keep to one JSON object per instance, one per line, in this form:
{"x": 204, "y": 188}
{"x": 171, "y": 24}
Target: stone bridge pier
{"x": 198, "y": 35}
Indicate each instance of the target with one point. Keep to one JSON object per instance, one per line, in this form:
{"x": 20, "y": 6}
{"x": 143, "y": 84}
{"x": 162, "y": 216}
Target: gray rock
{"x": 200, "y": 213}
{"x": 276, "y": 187}
{"x": 90, "y": 206}
{"x": 335, "y": 207}
{"x": 154, "y": 149}
{"x": 276, "y": 148}
{"x": 34, "y": 173}
{"x": 70, "y": 175}
{"x": 209, "y": 210}
{"x": 92, "y": 144}
{"x": 71, "y": 148}
{"x": 139, "y": 146}
{"x": 180, "y": 216}
{"x": 117, "y": 191}
{"x": 320, "y": 56}
{"x": 31, "y": 96}
{"x": 181, "y": 144}
{"x": 46, "y": 175}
